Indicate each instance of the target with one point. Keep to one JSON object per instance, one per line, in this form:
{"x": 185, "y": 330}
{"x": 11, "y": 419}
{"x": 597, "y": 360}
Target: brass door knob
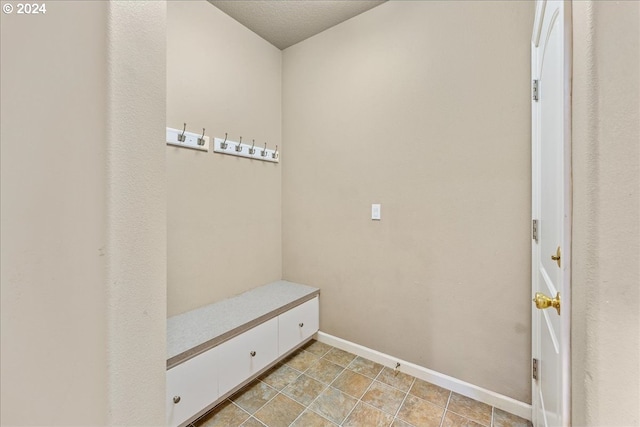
{"x": 542, "y": 301}
{"x": 557, "y": 256}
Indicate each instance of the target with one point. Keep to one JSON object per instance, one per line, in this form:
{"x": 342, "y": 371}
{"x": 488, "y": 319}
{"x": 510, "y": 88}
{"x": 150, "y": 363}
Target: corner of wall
{"x": 606, "y": 232}
{"x": 136, "y": 213}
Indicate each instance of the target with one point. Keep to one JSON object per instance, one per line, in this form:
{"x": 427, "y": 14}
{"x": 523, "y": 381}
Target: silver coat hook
{"x": 252, "y": 150}
{"x": 201, "y": 139}
{"x": 274, "y": 155}
{"x": 264, "y": 151}
{"x": 239, "y": 146}
{"x": 224, "y": 144}
{"x": 181, "y": 138}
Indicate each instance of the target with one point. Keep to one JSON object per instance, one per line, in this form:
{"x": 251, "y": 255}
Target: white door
{"x": 551, "y": 212}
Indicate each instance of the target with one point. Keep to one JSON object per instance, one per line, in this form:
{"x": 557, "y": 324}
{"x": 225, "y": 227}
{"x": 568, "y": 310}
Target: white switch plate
{"x": 375, "y": 211}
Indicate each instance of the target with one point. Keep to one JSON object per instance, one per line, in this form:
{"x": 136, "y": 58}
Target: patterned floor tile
{"x": 505, "y": 419}
{"x": 304, "y": 389}
{"x": 324, "y": 371}
{"x": 365, "y": 415}
{"x": 318, "y": 348}
{"x": 430, "y": 392}
{"x": 254, "y": 396}
{"x": 339, "y": 357}
{"x": 301, "y": 360}
{"x": 252, "y": 422}
{"x": 224, "y": 415}
{"x": 454, "y": 420}
{"x": 469, "y": 408}
{"x": 333, "y": 405}
{"x": 384, "y": 397}
{"x": 280, "y": 376}
{"x": 311, "y": 419}
{"x": 365, "y": 367}
{"x": 352, "y": 383}
{"x": 279, "y": 412}
{"x": 420, "y": 413}
{"x": 396, "y": 379}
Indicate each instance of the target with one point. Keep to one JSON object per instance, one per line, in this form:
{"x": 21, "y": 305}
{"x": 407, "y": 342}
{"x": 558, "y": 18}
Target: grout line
{"x": 265, "y": 404}
{"x": 373, "y": 380}
{"x": 396, "y": 388}
{"x": 323, "y": 390}
{"x": 316, "y": 398}
{"x": 299, "y": 415}
{"x": 340, "y": 391}
{"x": 250, "y": 417}
{"x": 446, "y": 409}
{"x": 365, "y": 392}
{"x": 466, "y": 417}
{"x": 405, "y": 398}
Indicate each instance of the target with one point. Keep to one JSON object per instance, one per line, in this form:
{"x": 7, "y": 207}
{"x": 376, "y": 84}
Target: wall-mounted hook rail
{"x": 238, "y": 149}
{"x": 182, "y": 138}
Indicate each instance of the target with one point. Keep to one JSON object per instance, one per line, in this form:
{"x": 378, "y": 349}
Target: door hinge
{"x": 535, "y": 90}
{"x": 534, "y": 230}
{"x": 534, "y": 369}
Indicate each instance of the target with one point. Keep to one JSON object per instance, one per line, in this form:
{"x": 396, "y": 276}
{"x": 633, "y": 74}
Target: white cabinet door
{"x": 192, "y": 386}
{"x": 246, "y": 354}
{"x": 297, "y": 324}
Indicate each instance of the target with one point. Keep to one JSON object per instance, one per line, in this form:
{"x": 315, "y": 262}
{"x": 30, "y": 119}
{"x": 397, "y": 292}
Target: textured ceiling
{"x": 286, "y": 22}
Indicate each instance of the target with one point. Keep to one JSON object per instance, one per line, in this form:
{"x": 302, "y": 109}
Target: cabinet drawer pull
{"x": 301, "y": 324}
{"x": 253, "y": 354}
{"x": 176, "y": 399}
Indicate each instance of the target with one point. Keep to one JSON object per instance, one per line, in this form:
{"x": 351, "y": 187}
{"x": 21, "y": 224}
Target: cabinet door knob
{"x": 301, "y": 324}
{"x": 253, "y": 354}
{"x": 176, "y": 399}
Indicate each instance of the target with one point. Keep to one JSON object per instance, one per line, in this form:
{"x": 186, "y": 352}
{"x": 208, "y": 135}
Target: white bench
{"x": 215, "y": 350}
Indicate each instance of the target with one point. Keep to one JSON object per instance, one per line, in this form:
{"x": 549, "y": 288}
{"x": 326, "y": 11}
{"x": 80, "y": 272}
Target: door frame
{"x": 565, "y": 316}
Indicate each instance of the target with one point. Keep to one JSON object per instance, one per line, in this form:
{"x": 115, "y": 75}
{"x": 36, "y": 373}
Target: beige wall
{"x": 83, "y": 283}
{"x": 54, "y": 333}
{"x": 424, "y": 108}
{"x": 224, "y": 213}
{"x": 606, "y": 230}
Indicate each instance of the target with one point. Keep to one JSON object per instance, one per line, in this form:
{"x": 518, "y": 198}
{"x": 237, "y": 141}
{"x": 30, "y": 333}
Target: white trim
{"x": 483, "y": 395}
{"x": 537, "y": 24}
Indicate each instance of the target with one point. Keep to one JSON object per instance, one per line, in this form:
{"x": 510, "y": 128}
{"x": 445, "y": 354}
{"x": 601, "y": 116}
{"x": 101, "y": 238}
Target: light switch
{"x": 375, "y": 212}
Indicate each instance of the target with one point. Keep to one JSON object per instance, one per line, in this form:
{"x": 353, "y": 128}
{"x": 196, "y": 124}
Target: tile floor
{"x": 320, "y": 386}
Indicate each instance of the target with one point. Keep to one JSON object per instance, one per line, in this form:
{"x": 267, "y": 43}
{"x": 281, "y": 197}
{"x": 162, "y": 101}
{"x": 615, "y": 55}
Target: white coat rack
{"x": 182, "y": 138}
{"x": 241, "y": 149}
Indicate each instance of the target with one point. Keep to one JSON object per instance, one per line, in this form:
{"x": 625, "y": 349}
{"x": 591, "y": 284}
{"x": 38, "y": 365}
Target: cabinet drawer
{"x": 246, "y": 354}
{"x": 194, "y": 385}
{"x": 297, "y": 324}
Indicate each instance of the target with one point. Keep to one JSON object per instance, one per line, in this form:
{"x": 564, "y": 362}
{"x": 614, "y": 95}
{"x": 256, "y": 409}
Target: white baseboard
{"x": 489, "y": 397}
